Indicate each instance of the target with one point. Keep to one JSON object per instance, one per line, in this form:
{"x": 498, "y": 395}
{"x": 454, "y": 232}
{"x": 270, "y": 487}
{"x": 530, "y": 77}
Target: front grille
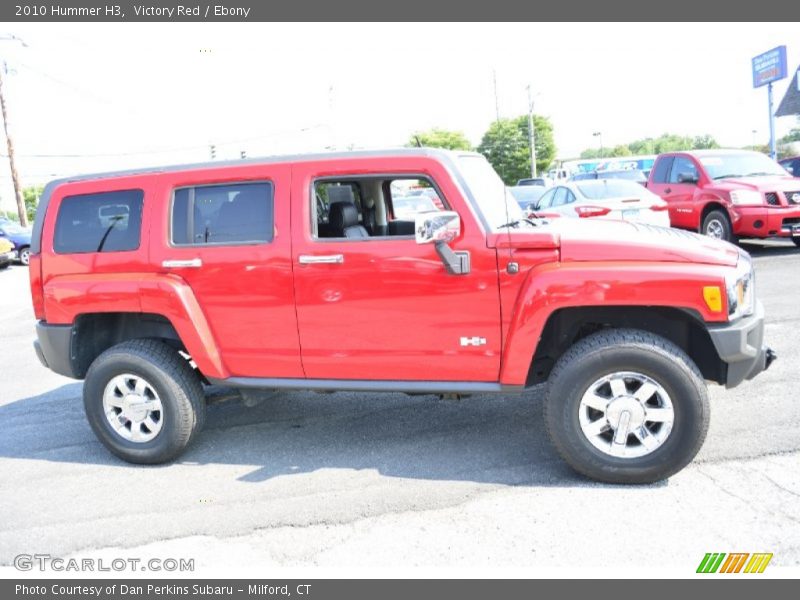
{"x": 793, "y": 197}
{"x": 772, "y": 198}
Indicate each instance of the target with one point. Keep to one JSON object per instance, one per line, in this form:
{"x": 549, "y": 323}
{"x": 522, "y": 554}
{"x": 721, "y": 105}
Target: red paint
{"x": 390, "y": 310}
{"x": 687, "y": 201}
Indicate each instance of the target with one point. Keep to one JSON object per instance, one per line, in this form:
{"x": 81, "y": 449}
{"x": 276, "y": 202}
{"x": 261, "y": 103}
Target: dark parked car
{"x": 6, "y": 253}
{"x": 19, "y": 237}
{"x": 792, "y": 165}
{"x": 537, "y": 181}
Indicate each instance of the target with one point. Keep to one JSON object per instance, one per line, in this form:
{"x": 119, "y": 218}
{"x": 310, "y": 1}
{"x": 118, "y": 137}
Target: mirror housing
{"x": 687, "y": 178}
{"x": 436, "y": 226}
{"x": 440, "y": 228}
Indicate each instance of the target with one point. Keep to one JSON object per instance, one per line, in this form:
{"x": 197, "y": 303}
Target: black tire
{"x": 796, "y": 241}
{"x": 173, "y": 379}
{"x": 4, "y": 266}
{"x": 25, "y": 255}
{"x": 614, "y": 351}
{"x": 718, "y": 221}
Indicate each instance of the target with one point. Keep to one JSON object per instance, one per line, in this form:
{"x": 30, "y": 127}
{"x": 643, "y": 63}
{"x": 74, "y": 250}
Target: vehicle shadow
{"x": 483, "y": 439}
{"x": 771, "y": 248}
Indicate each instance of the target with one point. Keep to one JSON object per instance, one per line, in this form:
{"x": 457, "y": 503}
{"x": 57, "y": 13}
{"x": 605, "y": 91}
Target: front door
{"x": 372, "y": 304}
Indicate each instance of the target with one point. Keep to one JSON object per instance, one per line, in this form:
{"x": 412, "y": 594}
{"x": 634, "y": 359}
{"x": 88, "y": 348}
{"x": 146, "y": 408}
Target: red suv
{"x": 727, "y": 194}
{"x": 298, "y": 273}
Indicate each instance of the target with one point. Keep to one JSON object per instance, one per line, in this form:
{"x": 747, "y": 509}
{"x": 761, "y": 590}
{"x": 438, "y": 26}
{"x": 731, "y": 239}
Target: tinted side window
{"x": 662, "y": 168}
{"x": 234, "y": 213}
{"x": 103, "y": 222}
{"x": 547, "y": 199}
{"x": 560, "y": 197}
{"x": 682, "y": 166}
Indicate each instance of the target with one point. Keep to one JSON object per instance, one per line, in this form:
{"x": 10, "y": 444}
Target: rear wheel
{"x": 626, "y": 406}
{"x": 717, "y": 225}
{"x": 144, "y": 401}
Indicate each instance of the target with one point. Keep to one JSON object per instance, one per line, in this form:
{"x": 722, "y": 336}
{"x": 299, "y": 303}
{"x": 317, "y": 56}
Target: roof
{"x": 714, "y": 151}
{"x": 265, "y": 160}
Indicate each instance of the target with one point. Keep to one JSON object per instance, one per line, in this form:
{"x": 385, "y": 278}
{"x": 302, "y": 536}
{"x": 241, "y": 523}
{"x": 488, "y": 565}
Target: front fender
{"x": 553, "y": 286}
{"x": 167, "y": 295}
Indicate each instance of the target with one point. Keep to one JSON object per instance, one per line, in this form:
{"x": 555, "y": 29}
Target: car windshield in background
{"x": 629, "y": 174}
{"x": 495, "y": 202}
{"x": 525, "y": 194}
{"x": 12, "y": 227}
{"x": 406, "y": 207}
{"x": 603, "y": 189}
{"x": 746, "y": 164}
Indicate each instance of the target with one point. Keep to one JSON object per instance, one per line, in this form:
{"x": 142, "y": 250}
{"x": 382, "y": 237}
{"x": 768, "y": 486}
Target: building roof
{"x": 790, "y": 105}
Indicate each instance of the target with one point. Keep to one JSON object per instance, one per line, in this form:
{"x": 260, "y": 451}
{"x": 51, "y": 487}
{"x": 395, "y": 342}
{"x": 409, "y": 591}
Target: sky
{"x": 108, "y": 96}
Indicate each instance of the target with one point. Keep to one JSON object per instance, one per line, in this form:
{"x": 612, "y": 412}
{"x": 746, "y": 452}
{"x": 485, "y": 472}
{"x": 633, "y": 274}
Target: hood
{"x": 759, "y": 184}
{"x": 608, "y": 240}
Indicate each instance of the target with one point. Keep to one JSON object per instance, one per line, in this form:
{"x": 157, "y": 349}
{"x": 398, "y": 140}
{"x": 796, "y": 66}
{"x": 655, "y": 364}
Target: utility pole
{"x": 773, "y": 152}
{"x": 531, "y": 133}
{"x": 21, "y": 211}
{"x": 496, "y": 101}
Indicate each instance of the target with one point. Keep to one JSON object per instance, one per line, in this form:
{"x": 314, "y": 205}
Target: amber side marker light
{"x": 712, "y": 294}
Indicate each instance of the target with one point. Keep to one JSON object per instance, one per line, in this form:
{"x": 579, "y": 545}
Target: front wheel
{"x": 796, "y": 241}
{"x": 25, "y": 256}
{"x": 143, "y": 401}
{"x": 717, "y": 225}
{"x": 626, "y": 406}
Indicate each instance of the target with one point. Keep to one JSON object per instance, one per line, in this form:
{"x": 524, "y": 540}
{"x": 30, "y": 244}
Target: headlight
{"x": 742, "y": 197}
{"x": 740, "y": 286}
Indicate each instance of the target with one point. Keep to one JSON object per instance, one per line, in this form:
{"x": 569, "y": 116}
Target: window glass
{"x": 547, "y": 199}
{"x": 233, "y": 213}
{"x": 662, "y": 169}
{"x": 102, "y": 222}
{"x": 560, "y": 196}
{"x": 413, "y": 196}
{"x": 682, "y": 166}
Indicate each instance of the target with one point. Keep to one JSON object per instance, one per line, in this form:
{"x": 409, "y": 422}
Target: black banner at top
{"x": 394, "y": 10}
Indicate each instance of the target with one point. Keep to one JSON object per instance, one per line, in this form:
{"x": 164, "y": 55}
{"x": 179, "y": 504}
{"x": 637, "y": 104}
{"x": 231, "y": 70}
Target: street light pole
{"x": 21, "y": 211}
{"x": 531, "y": 133}
{"x": 600, "y": 135}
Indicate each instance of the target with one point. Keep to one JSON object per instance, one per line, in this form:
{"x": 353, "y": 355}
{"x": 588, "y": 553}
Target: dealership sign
{"x": 769, "y": 67}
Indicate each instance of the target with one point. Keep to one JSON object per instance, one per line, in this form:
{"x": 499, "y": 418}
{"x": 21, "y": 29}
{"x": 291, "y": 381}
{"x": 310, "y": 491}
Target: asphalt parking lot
{"x": 354, "y": 480}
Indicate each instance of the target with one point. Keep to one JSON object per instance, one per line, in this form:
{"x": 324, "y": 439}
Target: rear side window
{"x": 233, "y": 213}
{"x": 662, "y": 169}
{"x": 103, "y": 222}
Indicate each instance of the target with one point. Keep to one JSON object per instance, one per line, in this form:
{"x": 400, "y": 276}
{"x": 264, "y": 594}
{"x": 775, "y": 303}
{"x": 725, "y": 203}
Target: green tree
{"x": 440, "y": 138}
{"x": 703, "y": 142}
{"x": 31, "y": 196}
{"x": 506, "y": 146}
{"x": 793, "y": 135}
{"x": 621, "y": 150}
{"x": 666, "y": 142}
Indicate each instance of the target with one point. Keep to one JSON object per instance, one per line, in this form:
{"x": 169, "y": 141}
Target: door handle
{"x": 668, "y": 191}
{"x": 325, "y": 259}
{"x": 192, "y": 263}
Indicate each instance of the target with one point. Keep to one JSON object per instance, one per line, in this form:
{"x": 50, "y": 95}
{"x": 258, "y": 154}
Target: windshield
{"x": 746, "y": 164}
{"x": 603, "y": 189}
{"x": 492, "y": 196}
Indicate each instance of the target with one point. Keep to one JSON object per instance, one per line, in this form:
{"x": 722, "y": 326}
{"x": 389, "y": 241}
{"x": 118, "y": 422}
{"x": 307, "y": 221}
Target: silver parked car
{"x": 604, "y": 198}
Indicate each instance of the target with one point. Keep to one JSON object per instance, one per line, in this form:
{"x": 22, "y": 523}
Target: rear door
{"x": 226, "y": 233}
{"x": 680, "y": 192}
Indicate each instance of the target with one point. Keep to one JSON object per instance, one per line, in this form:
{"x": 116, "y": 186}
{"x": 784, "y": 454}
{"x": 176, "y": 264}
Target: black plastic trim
{"x": 365, "y": 385}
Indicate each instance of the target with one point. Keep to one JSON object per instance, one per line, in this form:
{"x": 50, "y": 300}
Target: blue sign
{"x": 769, "y": 67}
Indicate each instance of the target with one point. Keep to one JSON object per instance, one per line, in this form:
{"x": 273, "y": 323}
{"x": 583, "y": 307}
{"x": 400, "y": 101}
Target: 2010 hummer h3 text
{"x": 405, "y": 270}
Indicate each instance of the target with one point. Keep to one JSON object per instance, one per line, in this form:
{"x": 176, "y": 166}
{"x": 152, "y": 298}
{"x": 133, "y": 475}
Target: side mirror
{"x": 687, "y": 178}
{"x": 436, "y": 226}
{"x": 440, "y": 228}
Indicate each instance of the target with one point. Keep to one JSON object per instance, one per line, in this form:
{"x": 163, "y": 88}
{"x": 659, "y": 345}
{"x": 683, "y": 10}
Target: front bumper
{"x": 7, "y": 257}
{"x": 54, "y": 348}
{"x": 740, "y": 344}
{"x": 765, "y": 221}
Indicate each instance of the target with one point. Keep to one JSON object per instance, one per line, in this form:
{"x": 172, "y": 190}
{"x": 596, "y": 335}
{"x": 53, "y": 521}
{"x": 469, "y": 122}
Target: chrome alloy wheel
{"x": 133, "y": 408}
{"x": 715, "y": 229}
{"x": 626, "y": 415}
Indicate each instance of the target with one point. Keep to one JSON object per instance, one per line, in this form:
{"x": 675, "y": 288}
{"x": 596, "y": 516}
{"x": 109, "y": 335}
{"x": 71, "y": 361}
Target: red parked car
{"x": 297, "y": 273}
{"x": 728, "y": 194}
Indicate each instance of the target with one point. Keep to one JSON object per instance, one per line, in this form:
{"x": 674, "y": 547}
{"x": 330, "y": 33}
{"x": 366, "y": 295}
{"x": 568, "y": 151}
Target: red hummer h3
{"x": 298, "y": 273}
{"x": 728, "y": 194}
